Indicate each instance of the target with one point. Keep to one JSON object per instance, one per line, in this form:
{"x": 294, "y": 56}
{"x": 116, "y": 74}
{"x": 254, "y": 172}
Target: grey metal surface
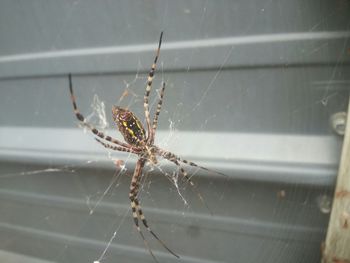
{"x": 257, "y": 51}
{"x": 259, "y": 157}
{"x": 16, "y": 258}
{"x": 61, "y": 223}
{"x": 251, "y": 87}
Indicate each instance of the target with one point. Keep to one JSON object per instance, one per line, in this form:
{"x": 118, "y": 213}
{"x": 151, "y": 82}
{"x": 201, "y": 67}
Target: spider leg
{"x": 149, "y": 86}
{"x": 117, "y": 148}
{"x": 169, "y": 155}
{"x": 136, "y": 208}
{"x": 156, "y": 115}
{"x": 184, "y": 174}
{"x": 144, "y": 221}
{"x": 82, "y": 119}
{"x": 133, "y": 195}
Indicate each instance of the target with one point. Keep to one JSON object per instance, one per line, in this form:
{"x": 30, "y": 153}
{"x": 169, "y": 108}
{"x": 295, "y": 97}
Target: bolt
{"x": 338, "y": 122}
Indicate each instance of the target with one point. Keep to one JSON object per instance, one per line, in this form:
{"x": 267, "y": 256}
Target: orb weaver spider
{"x": 138, "y": 142}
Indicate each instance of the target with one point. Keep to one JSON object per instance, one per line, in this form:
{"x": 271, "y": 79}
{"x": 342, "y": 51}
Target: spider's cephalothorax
{"x": 129, "y": 126}
{"x": 139, "y": 143}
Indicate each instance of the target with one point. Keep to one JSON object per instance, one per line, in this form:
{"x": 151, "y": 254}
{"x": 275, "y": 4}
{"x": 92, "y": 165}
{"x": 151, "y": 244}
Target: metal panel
{"x": 251, "y": 87}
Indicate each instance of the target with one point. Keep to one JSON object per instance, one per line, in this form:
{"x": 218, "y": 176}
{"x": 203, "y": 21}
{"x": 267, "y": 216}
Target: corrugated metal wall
{"x": 251, "y": 88}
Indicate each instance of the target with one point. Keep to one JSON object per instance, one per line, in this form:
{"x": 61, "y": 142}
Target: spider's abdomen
{"x": 129, "y": 126}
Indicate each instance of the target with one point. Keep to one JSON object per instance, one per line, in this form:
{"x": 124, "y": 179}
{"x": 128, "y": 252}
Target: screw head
{"x": 338, "y": 122}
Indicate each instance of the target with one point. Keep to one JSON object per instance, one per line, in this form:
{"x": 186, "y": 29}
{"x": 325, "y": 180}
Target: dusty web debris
{"x": 174, "y": 178}
{"x": 98, "y": 115}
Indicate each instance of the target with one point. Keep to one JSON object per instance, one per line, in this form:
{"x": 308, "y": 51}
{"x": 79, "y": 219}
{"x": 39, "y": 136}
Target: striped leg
{"x": 133, "y": 196}
{"x": 156, "y": 115}
{"x": 182, "y": 170}
{"x": 116, "y": 148}
{"x": 149, "y": 86}
{"x": 82, "y": 119}
{"x": 144, "y": 221}
{"x": 184, "y": 174}
{"x": 169, "y": 156}
{"x": 137, "y": 212}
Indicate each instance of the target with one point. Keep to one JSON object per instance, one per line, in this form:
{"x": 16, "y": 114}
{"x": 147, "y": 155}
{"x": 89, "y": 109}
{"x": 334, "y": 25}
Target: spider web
{"x": 273, "y": 202}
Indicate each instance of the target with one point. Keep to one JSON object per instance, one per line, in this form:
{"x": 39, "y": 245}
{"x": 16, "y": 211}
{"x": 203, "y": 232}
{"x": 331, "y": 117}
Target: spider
{"x": 138, "y": 142}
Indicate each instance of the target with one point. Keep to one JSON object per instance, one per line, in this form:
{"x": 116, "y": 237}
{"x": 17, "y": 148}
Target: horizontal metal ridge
{"x": 269, "y": 157}
{"x": 270, "y": 49}
{"x": 213, "y": 42}
{"x": 236, "y": 225}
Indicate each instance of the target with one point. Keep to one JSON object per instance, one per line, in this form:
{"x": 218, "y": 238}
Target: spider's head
{"x": 119, "y": 114}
